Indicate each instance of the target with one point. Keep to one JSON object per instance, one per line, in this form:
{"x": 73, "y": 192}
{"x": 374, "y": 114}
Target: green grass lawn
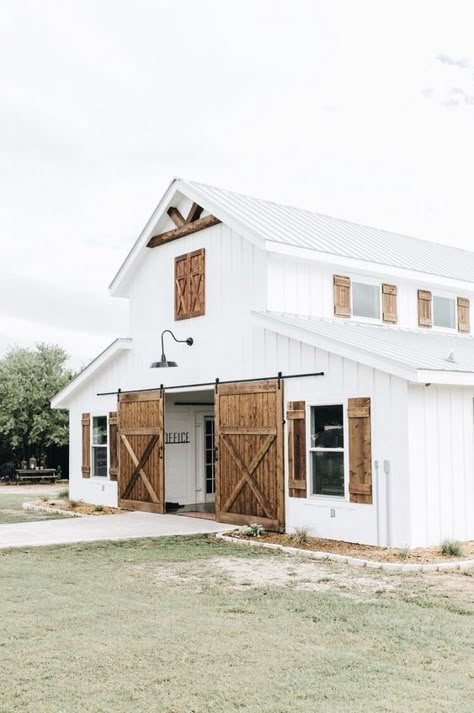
{"x": 185, "y": 625}
{"x": 11, "y": 509}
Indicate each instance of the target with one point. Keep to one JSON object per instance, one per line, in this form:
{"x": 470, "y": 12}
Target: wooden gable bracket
{"x": 184, "y": 226}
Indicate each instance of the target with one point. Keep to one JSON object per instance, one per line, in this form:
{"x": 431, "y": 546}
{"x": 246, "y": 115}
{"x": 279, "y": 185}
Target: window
{"x": 327, "y": 450}
{"x": 365, "y": 300}
{"x": 99, "y": 446}
{"x": 444, "y": 312}
{"x": 209, "y": 455}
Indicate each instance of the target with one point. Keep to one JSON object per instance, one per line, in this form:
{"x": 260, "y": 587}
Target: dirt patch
{"x": 77, "y": 507}
{"x": 418, "y": 555}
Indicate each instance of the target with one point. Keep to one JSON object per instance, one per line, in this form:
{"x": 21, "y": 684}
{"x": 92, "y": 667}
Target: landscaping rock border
{"x": 354, "y": 561}
{"x": 56, "y": 511}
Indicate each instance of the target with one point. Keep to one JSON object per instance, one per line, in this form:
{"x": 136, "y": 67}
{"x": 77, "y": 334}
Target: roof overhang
{"x": 362, "y": 356}
{"x": 60, "y": 400}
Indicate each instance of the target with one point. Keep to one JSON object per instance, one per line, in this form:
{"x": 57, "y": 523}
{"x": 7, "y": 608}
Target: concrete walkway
{"x": 123, "y": 526}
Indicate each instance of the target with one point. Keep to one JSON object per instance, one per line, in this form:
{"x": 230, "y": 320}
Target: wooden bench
{"x": 36, "y": 474}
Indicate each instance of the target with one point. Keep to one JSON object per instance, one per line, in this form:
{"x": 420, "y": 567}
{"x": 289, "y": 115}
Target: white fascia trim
{"x": 366, "y": 267}
{"x": 188, "y": 189}
{"x": 448, "y": 377}
{"x": 61, "y": 398}
{"x": 335, "y": 346}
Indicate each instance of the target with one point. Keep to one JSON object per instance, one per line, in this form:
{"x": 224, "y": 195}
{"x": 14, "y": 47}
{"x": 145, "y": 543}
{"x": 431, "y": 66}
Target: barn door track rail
{"x": 280, "y": 377}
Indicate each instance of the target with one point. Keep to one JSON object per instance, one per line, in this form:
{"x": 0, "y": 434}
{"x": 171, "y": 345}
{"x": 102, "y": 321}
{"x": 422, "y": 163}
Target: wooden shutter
{"x": 113, "y": 445}
{"x": 86, "y": 445}
{"x": 295, "y": 414}
{"x": 342, "y": 296}
{"x": 360, "y": 450}
{"x": 424, "y": 308}
{"x": 189, "y": 296}
{"x": 389, "y": 303}
{"x": 464, "y": 322}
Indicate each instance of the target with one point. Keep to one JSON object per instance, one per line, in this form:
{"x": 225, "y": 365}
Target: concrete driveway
{"x": 123, "y": 526}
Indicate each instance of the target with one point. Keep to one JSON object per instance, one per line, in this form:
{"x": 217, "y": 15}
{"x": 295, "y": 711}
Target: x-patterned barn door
{"x": 249, "y": 467}
{"x": 141, "y": 472}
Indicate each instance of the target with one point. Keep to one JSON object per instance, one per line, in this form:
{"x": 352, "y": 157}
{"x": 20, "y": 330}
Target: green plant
{"x": 99, "y": 508}
{"x": 255, "y": 530}
{"x": 300, "y": 536}
{"x": 403, "y": 553}
{"x": 64, "y": 494}
{"x": 451, "y": 547}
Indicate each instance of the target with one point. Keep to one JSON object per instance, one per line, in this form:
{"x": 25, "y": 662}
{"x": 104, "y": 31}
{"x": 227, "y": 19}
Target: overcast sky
{"x": 362, "y": 110}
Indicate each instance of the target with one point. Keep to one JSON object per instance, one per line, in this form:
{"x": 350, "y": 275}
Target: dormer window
{"x": 444, "y": 312}
{"x": 365, "y": 300}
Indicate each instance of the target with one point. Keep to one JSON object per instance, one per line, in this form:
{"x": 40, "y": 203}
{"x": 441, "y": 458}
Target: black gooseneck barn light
{"x": 163, "y": 361}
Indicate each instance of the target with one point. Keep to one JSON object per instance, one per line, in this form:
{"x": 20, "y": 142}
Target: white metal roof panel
{"x": 409, "y": 348}
{"x": 334, "y": 236}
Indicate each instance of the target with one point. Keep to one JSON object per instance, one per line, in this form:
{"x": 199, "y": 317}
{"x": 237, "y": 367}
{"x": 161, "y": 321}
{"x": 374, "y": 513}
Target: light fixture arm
{"x": 189, "y": 341}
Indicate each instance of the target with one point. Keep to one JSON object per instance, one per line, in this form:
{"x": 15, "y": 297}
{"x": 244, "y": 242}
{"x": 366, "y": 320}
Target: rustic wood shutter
{"x": 464, "y": 321}
{"x": 113, "y": 445}
{"x": 389, "y": 303}
{"x": 295, "y": 414}
{"x": 424, "y": 308}
{"x": 360, "y": 450}
{"x": 86, "y": 445}
{"x": 342, "y": 296}
{"x": 189, "y": 296}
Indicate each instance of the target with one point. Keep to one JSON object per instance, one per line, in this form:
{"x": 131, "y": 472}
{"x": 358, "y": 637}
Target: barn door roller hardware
{"x": 163, "y": 361}
{"x": 216, "y": 382}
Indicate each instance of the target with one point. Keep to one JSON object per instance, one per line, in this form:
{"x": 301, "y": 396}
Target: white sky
{"x": 362, "y": 110}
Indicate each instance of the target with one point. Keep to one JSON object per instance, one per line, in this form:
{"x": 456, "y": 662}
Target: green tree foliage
{"x": 29, "y": 378}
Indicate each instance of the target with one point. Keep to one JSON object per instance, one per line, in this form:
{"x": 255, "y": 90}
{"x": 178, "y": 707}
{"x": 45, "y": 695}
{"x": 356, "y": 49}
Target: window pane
{"x": 99, "y": 462}
{"x": 99, "y": 430}
{"x": 327, "y": 427}
{"x": 444, "y": 312}
{"x": 328, "y": 473}
{"x": 365, "y": 300}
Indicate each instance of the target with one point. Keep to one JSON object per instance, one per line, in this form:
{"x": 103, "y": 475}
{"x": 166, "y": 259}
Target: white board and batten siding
{"x": 441, "y": 463}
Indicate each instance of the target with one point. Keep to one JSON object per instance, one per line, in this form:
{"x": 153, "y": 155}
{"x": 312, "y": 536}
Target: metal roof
{"x": 410, "y": 349}
{"x": 334, "y": 236}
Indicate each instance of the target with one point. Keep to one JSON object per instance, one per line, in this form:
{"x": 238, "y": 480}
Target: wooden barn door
{"x": 141, "y": 472}
{"x": 249, "y": 467}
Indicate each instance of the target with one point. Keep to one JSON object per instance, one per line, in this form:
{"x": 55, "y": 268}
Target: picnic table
{"x": 36, "y": 474}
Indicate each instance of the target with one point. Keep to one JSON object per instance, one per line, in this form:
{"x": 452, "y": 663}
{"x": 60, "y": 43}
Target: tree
{"x": 29, "y": 378}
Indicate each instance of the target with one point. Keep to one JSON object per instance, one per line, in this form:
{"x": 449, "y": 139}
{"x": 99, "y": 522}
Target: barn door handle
{"x": 216, "y": 454}
{"x": 160, "y": 452}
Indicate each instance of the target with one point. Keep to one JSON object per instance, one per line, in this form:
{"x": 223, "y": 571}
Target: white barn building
{"x": 366, "y": 435}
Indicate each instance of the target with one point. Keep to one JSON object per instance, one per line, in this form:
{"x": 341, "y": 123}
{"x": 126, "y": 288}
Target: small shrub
{"x": 255, "y": 530}
{"x": 99, "y": 508}
{"x": 64, "y": 494}
{"x": 73, "y": 504}
{"x": 300, "y": 536}
{"x": 403, "y": 553}
{"x": 451, "y": 547}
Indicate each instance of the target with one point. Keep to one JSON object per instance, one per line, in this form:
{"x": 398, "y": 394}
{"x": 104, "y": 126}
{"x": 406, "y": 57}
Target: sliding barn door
{"x": 249, "y": 467}
{"x": 141, "y": 471}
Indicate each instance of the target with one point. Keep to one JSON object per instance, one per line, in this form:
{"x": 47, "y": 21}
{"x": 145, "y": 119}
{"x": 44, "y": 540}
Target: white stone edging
{"x": 354, "y": 561}
{"x": 56, "y": 511}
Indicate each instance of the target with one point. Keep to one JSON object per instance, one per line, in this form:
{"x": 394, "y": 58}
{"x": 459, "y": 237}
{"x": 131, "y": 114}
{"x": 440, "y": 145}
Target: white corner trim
{"x": 334, "y": 346}
{"x": 119, "y": 345}
{"x": 366, "y": 267}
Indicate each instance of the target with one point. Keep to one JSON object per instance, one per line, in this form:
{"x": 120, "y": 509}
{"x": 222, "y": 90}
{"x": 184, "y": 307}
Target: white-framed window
{"x": 366, "y": 300}
{"x": 327, "y": 450}
{"x": 444, "y": 312}
{"x": 99, "y": 446}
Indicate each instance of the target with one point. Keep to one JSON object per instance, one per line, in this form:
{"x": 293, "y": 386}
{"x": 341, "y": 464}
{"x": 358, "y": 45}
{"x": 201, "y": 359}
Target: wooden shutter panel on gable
{"x": 86, "y": 445}
{"x": 342, "y": 295}
{"x": 189, "y": 297}
{"x": 113, "y": 445}
{"x": 295, "y": 414}
{"x": 464, "y": 321}
{"x": 389, "y": 303}
{"x": 360, "y": 450}
{"x": 424, "y": 308}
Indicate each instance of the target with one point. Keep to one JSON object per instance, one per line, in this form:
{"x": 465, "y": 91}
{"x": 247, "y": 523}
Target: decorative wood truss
{"x": 184, "y": 226}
